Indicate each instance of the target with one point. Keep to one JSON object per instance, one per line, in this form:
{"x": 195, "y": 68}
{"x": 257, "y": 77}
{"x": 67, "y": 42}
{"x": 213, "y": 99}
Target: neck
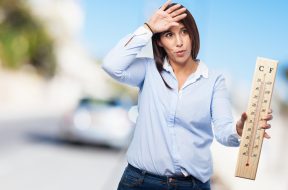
{"x": 186, "y": 68}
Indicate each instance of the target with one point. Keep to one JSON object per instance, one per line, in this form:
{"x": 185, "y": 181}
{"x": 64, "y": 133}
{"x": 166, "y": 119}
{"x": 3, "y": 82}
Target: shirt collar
{"x": 167, "y": 66}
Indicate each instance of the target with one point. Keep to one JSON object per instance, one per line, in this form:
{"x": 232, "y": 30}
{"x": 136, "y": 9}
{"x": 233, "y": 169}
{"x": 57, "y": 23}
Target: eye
{"x": 184, "y": 31}
{"x": 168, "y": 35}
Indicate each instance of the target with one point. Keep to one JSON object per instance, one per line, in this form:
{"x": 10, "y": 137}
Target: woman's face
{"x": 177, "y": 44}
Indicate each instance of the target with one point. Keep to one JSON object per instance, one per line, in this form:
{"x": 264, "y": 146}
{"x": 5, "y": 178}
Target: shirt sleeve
{"x": 122, "y": 62}
{"x": 222, "y": 118}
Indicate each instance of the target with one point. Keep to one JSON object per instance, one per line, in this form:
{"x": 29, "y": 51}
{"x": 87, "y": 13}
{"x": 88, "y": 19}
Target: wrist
{"x": 148, "y": 26}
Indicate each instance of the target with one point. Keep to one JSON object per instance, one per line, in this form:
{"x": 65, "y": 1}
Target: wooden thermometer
{"x": 259, "y": 103}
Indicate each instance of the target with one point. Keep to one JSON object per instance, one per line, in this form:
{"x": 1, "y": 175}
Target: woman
{"x": 179, "y": 98}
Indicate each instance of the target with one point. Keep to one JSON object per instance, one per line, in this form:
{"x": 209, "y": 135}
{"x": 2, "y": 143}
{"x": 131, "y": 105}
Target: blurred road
{"x": 32, "y": 157}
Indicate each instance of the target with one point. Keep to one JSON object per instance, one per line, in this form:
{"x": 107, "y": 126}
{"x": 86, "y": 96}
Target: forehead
{"x": 178, "y": 27}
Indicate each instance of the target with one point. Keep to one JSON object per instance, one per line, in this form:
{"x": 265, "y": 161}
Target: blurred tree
{"x": 23, "y": 39}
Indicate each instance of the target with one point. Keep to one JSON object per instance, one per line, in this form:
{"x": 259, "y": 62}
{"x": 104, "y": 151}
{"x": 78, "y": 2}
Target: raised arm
{"x": 124, "y": 63}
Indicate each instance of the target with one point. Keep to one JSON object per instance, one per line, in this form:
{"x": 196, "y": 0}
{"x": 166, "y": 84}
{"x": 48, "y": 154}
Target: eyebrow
{"x": 162, "y": 33}
{"x": 165, "y": 32}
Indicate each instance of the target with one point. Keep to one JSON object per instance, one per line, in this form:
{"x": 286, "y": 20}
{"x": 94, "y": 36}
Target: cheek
{"x": 166, "y": 44}
{"x": 168, "y": 48}
{"x": 188, "y": 43}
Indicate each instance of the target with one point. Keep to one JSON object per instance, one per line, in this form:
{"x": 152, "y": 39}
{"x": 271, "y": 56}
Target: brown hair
{"x": 159, "y": 52}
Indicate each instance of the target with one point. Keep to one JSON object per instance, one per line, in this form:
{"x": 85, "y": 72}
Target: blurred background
{"x": 64, "y": 124}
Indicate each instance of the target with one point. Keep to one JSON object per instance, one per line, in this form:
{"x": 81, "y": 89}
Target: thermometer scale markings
{"x": 255, "y": 124}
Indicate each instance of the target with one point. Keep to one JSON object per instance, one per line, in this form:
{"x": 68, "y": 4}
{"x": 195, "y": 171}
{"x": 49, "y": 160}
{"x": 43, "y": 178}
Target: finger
{"x": 266, "y": 126}
{"x": 266, "y": 136}
{"x": 243, "y": 117}
{"x": 173, "y": 8}
{"x": 165, "y": 5}
{"x": 173, "y": 24}
{"x": 268, "y": 117}
{"x": 270, "y": 111}
{"x": 178, "y": 12}
{"x": 179, "y": 17}
{"x": 242, "y": 120}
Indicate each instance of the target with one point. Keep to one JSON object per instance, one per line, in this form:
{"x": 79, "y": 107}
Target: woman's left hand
{"x": 240, "y": 123}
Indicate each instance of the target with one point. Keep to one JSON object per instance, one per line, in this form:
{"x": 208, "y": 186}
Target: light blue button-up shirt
{"x": 174, "y": 128}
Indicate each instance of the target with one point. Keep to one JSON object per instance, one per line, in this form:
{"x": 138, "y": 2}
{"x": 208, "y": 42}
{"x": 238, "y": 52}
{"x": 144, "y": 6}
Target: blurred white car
{"x": 98, "y": 122}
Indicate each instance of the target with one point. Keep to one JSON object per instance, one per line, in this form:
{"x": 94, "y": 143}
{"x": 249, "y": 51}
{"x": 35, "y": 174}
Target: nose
{"x": 179, "y": 41}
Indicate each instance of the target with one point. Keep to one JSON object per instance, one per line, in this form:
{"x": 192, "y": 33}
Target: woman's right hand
{"x": 163, "y": 19}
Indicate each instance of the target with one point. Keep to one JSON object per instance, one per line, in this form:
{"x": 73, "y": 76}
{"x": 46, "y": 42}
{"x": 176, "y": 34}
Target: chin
{"x": 181, "y": 60}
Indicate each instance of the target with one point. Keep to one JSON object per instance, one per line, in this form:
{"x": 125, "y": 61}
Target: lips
{"x": 180, "y": 53}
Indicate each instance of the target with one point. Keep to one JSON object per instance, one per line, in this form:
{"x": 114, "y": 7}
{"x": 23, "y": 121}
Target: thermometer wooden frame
{"x": 259, "y": 103}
